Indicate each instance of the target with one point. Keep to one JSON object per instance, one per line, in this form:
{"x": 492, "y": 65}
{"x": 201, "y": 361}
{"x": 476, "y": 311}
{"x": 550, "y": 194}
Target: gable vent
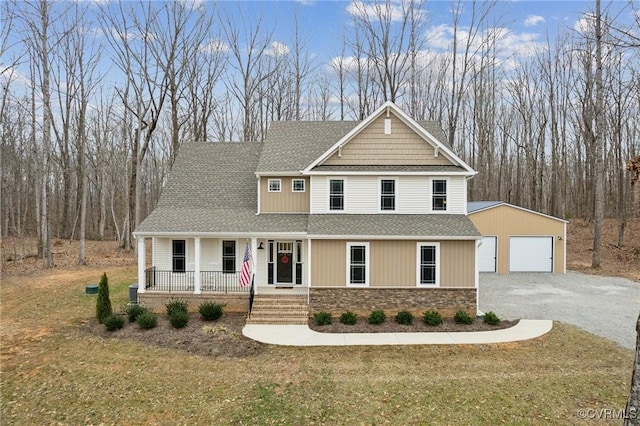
{"x": 387, "y": 126}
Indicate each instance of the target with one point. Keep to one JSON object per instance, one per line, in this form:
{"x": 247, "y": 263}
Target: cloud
{"x": 533, "y": 20}
{"x": 215, "y": 46}
{"x": 277, "y": 49}
{"x": 367, "y": 11}
{"x": 586, "y": 24}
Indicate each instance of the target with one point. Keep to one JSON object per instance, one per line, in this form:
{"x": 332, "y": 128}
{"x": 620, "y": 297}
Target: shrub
{"x": 211, "y": 311}
{"x": 114, "y": 322}
{"x": 461, "y": 317}
{"x": 348, "y": 318}
{"x": 147, "y": 320}
{"x": 176, "y": 306}
{"x": 134, "y": 311}
{"x": 404, "y": 317}
{"x": 491, "y": 318}
{"x": 103, "y": 303}
{"x": 178, "y": 319}
{"x": 432, "y": 318}
{"x": 377, "y": 317}
{"x": 322, "y": 318}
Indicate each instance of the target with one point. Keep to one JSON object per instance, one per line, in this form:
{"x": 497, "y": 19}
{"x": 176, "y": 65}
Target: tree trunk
{"x": 598, "y": 197}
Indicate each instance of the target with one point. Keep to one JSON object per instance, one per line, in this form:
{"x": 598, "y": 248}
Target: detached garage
{"x": 517, "y": 239}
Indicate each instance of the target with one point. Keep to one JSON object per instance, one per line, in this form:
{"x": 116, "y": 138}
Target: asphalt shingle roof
{"x": 415, "y": 225}
{"x": 291, "y": 146}
{"x": 213, "y": 188}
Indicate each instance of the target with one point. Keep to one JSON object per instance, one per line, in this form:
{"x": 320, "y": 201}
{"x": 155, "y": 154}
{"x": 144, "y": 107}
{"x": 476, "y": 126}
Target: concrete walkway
{"x": 302, "y": 335}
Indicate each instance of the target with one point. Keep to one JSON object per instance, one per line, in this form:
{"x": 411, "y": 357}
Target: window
{"x": 297, "y": 185}
{"x": 336, "y": 194}
{"x": 428, "y": 261}
{"x": 228, "y": 257}
{"x": 387, "y": 194}
{"x": 357, "y": 264}
{"x": 439, "y": 195}
{"x": 274, "y": 185}
{"x": 179, "y": 256}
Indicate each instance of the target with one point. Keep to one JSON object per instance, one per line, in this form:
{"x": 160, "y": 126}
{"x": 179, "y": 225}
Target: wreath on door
{"x": 285, "y": 259}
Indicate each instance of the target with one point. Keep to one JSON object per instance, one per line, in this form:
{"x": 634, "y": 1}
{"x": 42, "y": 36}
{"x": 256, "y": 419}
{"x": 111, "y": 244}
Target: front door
{"x": 284, "y": 266}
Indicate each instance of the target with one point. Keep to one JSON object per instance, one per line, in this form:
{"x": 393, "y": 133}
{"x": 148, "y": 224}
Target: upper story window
{"x": 439, "y": 195}
{"x": 336, "y": 194}
{"x": 387, "y": 194}
{"x": 274, "y": 185}
{"x": 297, "y": 185}
{"x": 179, "y": 256}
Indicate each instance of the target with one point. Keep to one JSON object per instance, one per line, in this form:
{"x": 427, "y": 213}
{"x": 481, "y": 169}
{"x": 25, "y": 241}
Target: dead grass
{"x": 54, "y": 372}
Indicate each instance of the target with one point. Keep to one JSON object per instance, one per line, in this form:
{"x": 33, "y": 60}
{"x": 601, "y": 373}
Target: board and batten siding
{"x": 392, "y": 263}
{"x": 401, "y": 147}
{"x": 413, "y": 194}
{"x": 505, "y": 221}
{"x": 285, "y": 201}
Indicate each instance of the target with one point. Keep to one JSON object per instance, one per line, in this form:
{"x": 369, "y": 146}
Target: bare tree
{"x": 248, "y": 50}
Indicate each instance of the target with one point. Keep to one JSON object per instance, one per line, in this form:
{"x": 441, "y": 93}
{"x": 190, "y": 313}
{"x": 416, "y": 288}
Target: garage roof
{"x": 478, "y": 206}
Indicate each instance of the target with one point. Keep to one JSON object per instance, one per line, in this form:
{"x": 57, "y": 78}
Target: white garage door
{"x": 487, "y": 255}
{"x": 531, "y": 254}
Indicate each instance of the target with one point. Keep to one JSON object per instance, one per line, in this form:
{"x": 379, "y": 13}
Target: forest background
{"x": 98, "y": 96}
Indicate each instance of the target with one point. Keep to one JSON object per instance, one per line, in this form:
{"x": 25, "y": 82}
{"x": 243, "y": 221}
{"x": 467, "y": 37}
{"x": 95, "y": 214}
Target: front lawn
{"x": 55, "y": 372}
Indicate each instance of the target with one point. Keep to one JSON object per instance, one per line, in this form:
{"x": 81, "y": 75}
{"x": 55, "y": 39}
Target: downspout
{"x": 478, "y": 313}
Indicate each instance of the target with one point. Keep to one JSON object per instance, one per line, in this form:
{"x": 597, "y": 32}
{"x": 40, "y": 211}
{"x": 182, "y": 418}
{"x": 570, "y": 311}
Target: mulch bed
{"x": 390, "y": 326}
{"x": 224, "y": 337}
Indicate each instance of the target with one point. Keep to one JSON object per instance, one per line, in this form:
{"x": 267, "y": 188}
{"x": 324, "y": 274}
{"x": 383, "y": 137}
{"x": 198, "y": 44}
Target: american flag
{"x": 245, "y": 274}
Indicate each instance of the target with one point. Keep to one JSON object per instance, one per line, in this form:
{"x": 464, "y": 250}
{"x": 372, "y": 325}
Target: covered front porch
{"x": 213, "y": 265}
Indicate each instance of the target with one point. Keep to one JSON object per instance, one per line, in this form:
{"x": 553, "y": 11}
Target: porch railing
{"x": 210, "y": 281}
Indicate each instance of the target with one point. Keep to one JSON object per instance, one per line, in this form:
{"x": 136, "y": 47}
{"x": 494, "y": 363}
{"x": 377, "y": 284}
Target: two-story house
{"x": 351, "y": 215}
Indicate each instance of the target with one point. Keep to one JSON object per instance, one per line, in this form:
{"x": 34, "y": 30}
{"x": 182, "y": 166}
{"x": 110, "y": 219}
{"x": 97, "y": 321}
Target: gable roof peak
{"x": 386, "y": 108}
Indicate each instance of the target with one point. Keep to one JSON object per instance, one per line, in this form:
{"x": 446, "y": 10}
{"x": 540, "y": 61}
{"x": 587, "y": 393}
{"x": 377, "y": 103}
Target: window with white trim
{"x": 297, "y": 185}
{"x": 336, "y": 194}
{"x": 387, "y": 194}
{"x": 439, "y": 195}
{"x": 274, "y": 185}
{"x": 428, "y": 261}
{"x": 358, "y": 264}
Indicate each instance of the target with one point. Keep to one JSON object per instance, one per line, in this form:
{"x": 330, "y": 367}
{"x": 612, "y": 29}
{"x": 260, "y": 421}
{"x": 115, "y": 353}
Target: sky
{"x": 525, "y": 25}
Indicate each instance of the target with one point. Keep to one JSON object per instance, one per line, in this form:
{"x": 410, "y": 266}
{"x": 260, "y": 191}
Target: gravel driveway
{"x": 605, "y": 306}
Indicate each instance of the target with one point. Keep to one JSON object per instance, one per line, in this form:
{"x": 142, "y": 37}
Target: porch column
{"x": 142, "y": 263}
{"x": 197, "y": 267}
{"x": 308, "y": 259}
{"x": 254, "y": 258}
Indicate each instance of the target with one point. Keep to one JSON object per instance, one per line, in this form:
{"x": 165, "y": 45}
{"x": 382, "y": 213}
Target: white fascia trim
{"x": 230, "y": 235}
{"x": 428, "y": 238}
{"x": 519, "y": 208}
{"x": 277, "y": 174}
{"x": 386, "y": 173}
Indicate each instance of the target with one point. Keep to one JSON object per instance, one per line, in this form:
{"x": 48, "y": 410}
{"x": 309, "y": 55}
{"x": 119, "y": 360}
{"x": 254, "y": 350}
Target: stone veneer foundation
{"x": 446, "y": 301}
{"x": 157, "y": 301}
